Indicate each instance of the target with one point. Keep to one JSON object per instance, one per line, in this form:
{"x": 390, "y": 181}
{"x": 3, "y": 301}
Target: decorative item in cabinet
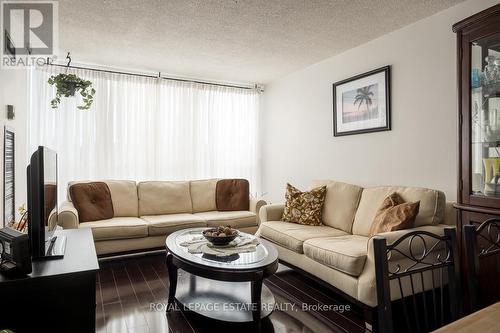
{"x": 491, "y": 72}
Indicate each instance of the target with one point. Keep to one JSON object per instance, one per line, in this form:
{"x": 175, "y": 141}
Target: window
{"x": 142, "y": 128}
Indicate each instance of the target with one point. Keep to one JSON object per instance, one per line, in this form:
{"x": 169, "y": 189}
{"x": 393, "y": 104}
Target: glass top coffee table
{"x": 221, "y": 288}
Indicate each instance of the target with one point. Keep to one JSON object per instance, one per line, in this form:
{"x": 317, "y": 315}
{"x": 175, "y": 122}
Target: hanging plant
{"x": 67, "y": 85}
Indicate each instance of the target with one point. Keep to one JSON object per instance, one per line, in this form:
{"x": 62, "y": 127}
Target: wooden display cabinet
{"x": 478, "y": 62}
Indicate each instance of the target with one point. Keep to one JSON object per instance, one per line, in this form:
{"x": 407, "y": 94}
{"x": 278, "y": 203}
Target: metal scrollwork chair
{"x": 420, "y": 272}
{"x": 480, "y": 242}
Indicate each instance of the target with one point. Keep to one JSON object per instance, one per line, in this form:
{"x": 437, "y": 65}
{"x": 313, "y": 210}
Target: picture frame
{"x": 362, "y": 103}
{"x": 9, "y": 180}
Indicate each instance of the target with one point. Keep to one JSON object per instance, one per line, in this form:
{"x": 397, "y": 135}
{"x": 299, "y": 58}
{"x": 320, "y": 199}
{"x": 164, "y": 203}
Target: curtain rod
{"x": 151, "y": 76}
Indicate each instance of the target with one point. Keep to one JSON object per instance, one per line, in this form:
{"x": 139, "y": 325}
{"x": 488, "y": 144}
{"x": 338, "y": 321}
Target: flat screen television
{"x": 42, "y": 204}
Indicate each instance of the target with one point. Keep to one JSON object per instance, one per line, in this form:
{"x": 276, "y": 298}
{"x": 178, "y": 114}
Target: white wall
{"x": 14, "y": 91}
{"x": 420, "y": 150}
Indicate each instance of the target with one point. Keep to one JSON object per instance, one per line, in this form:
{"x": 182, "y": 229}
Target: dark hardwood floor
{"x": 132, "y": 293}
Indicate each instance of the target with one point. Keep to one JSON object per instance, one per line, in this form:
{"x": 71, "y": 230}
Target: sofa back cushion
{"x": 158, "y": 198}
{"x": 92, "y": 201}
{"x": 340, "y": 204}
{"x": 431, "y": 212}
{"x": 203, "y": 195}
{"x": 123, "y": 195}
{"x": 232, "y": 195}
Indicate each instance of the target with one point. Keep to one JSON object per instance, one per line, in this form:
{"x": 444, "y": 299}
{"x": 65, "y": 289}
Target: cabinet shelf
{"x": 490, "y": 144}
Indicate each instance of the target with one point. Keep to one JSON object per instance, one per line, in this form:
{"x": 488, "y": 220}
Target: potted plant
{"x": 67, "y": 85}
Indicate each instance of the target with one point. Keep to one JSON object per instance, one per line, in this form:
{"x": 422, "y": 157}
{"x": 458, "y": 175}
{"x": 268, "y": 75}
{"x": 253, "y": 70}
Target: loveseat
{"x": 340, "y": 252}
{"x": 146, "y": 212}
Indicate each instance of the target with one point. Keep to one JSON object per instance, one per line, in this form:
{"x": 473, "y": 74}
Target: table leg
{"x": 256, "y": 290}
{"x": 192, "y": 283}
{"x": 172, "y": 276}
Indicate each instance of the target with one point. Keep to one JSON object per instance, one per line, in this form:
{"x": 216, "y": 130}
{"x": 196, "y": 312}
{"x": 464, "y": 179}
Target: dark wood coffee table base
{"x": 245, "y": 285}
{"x": 219, "y": 300}
{"x": 231, "y": 291}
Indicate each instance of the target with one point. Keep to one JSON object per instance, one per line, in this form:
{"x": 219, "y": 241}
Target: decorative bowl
{"x": 219, "y": 240}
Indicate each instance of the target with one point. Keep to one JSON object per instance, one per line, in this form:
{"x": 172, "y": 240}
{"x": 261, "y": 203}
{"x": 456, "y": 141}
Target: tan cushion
{"x": 304, "y": 207}
{"x": 394, "y": 214}
{"x": 344, "y": 253}
{"x": 237, "y": 219}
{"x": 347, "y": 283}
{"x": 166, "y": 224}
{"x": 92, "y": 201}
{"x": 431, "y": 212}
{"x": 340, "y": 205}
{"x": 125, "y": 245}
{"x": 293, "y": 235}
{"x": 117, "y": 228}
{"x": 159, "y": 198}
{"x": 232, "y": 194}
{"x": 123, "y": 195}
{"x": 203, "y": 195}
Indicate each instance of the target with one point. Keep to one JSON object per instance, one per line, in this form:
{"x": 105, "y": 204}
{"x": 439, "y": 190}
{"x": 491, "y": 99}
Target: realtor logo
{"x": 29, "y": 32}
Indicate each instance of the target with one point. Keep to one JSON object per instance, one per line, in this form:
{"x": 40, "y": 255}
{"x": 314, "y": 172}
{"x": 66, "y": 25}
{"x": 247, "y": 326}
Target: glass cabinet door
{"x": 485, "y": 116}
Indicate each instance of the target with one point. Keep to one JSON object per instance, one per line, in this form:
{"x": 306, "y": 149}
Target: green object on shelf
{"x": 67, "y": 85}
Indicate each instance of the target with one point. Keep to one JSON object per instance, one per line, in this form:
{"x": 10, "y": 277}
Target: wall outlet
{"x": 10, "y": 112}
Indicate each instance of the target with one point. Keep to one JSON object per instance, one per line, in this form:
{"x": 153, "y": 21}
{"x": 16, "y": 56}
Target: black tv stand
{"x": 58, "y": 295}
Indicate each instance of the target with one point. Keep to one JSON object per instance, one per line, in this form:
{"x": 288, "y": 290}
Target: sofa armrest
{"x": 450, "y": 214}
{"x": 367, "y": 289}
{"x": 272, "y": 212}
{"x": 68, "y": 216}
{"x": 255, "y": 205}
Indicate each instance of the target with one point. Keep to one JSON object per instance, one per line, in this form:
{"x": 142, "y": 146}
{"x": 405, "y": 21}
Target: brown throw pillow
{"x": 92, "y": 201}
{"x": 232, "y": 195}
{"x": 304, "y": 207}
{"x": 394, "y": 214}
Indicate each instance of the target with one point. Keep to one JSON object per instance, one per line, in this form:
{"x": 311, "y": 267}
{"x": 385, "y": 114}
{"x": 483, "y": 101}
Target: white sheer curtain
{"x": 142, "y": 128}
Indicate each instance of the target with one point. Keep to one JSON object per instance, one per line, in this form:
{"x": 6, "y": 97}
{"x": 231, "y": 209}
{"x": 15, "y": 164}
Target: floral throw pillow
{"x": 304, "y": 207}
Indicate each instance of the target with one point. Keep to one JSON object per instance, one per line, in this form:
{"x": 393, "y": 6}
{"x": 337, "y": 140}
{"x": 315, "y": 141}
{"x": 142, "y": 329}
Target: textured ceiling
{"x": 227, "y": 40}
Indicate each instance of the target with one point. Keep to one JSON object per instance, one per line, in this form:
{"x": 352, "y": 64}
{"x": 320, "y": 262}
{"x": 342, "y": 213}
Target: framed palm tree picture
{"x": 362, "y": 104}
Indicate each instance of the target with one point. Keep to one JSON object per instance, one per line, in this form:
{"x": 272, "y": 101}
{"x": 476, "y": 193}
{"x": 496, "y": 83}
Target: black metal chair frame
{"x": 489, "y": 231}
{"x": 418, "y": 264}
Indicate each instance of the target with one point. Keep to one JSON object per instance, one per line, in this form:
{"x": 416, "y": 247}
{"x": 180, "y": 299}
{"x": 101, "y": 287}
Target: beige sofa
{"x": 146, "y": 212}
{"x": 340, "y": 252}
